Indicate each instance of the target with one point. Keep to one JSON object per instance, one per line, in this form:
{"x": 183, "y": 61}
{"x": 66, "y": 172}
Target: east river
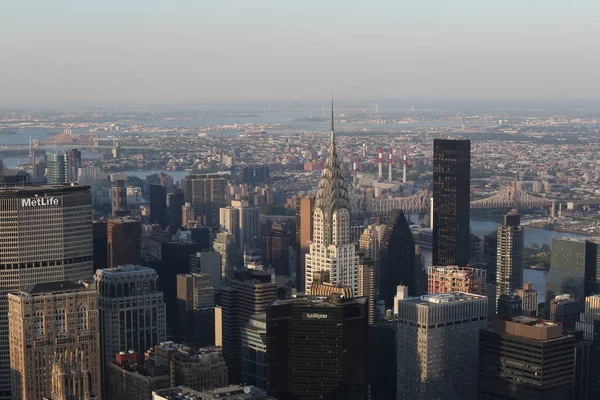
{"x": 532, "y": 235}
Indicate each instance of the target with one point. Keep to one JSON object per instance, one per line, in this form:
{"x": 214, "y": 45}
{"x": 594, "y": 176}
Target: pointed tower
{"x": 332, "y": 249}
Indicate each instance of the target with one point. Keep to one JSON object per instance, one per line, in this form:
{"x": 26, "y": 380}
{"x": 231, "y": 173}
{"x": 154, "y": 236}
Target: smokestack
{"x": 404, "y": 167}
{"x": 380, "y": 163}
{"x": 390, "y": 167}
{"x": 354, "y": 171}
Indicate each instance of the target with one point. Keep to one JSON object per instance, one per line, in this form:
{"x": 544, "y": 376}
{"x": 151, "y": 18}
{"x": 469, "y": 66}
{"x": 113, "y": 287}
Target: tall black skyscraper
{"x": 451, "y": 201}
{"x": 397, "y": 264}
{"x": 158, "y": 205}
{"x": 176, "y": 202}
{"x": 317, "y": 348}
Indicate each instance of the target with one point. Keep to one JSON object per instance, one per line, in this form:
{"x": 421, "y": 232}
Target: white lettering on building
{"x": 315, "y": 316}
{"x": 39, "y": 202}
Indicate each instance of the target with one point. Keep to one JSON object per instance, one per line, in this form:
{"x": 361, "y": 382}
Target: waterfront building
{"x": 57, "y": 167}
{"x": 509, "y": 266}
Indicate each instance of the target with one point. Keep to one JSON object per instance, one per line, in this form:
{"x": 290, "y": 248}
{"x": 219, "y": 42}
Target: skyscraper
{"x": 196, "y": 309}
{"x": 158, "y": 205}
{"x": 249, "y": 293}
{"x": 451, "y": 201}
{"x": 57, "y": 167}
{"x": 331, "y": 249}
{"x": 277, "y": 248}
{"x": 132, "y": 310}
{"x": 304, "y": 231}
{"x": 574, "y": 269}
{"x": 254, "y": 351}
{"x": 124, "y": 242}
{"x": 225, "y": 245}
{"x": 566, "y": 310}
{"x": 100, "y": 244}
{"x": 397, "y": 259}
{"x": 530, "y": 299}
{"x": 48, "y": 323}
{"x": 74, "y": 160}
{"x": 206, "y": 193}
{"x": 525, "y": 358}
{"x": 509, "y": 266}
{"x": 175, "y": 207}
{"x": 119, "y": 198}
{"x": 47, "y": 237}
{"x": 243, "y": 220}
{"x": 437, "y": 358}
{"x": 317, "y": 348}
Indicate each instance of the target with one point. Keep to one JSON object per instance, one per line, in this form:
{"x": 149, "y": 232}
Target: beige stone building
{"x": 52, "y": 327}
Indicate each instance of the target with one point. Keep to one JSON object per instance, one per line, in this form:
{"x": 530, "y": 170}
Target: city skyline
{"x": 234, "y": 50}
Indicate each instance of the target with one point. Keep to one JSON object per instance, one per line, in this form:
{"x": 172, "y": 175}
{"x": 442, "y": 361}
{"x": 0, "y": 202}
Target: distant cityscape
{"x": 300, "y": 253}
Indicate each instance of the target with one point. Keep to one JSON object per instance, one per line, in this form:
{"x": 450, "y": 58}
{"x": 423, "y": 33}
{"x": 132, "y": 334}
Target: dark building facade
{"x": 158, "y": 205}
{"x": 382, "y": 360}
{"x": 124, "y": 242}
{"x": 255, "y": 174}
{"x": 451, "y": 201}
{"x": 206, "y": 193}
{"x": 574, "y": 269}
{"x": 525, "y": 358}
{"x": 100, "y": 244}
{"x": 277, "y": 248}
{"x": 397, "y": 264}
{"x": 566, "y": 310}
{"x": 249, "y": 293}
{"x": 119, "y": 197}
{"x": 176, "y": 203}
{"x": 304, "y": 231}
{"x": 317, "y": 348}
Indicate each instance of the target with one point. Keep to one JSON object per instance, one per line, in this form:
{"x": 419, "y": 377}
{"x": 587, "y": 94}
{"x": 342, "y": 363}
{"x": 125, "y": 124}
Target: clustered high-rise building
{"x": 47, "y": 237}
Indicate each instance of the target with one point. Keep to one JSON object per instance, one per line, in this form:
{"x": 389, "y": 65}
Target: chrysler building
{"x": 331, "y": 249}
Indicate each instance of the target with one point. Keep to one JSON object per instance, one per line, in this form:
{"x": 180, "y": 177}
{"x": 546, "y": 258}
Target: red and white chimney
{"x": 380, "y": 163}
{"x": 390, "y": 166}
{"x": 404, "y": 167}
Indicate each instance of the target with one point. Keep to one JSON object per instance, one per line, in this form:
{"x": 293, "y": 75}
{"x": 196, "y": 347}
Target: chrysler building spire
{"x": 331, "y": 249}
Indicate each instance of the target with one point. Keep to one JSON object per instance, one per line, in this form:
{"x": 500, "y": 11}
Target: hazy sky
{"x": 175, "y": 51}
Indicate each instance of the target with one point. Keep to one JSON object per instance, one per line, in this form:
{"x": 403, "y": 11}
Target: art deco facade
{"x": 46, "y": 236}
{"x": 331, "y": 249}
{"x": 54, "y": 323}
{"x": 509, "y": 265}
{"x": 451, "y": 201}
{"x": 437, "y": 352}
{"x": 132, "y": 309}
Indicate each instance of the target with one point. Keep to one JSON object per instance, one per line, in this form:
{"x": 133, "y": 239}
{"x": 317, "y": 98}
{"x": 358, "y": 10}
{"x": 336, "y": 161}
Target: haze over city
{"x": 123, "y": 52}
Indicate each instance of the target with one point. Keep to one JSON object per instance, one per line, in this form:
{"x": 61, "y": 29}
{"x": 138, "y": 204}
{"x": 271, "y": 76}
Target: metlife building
{"x": 45, "y": 236}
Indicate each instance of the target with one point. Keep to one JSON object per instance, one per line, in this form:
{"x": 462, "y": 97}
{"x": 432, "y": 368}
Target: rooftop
{"x": 319, "y": 301}
{"x": 528, "y": 327}
{"x": 126, "y": 269}
{"x": 443, "y": 298}
{"x": 60, "y": 286}
{"x": 32, "y": 190}
{"x": 233, "y": 392}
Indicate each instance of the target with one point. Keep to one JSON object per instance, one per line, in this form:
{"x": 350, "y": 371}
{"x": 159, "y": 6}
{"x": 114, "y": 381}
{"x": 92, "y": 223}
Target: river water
{"x": 532, "y": 235}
